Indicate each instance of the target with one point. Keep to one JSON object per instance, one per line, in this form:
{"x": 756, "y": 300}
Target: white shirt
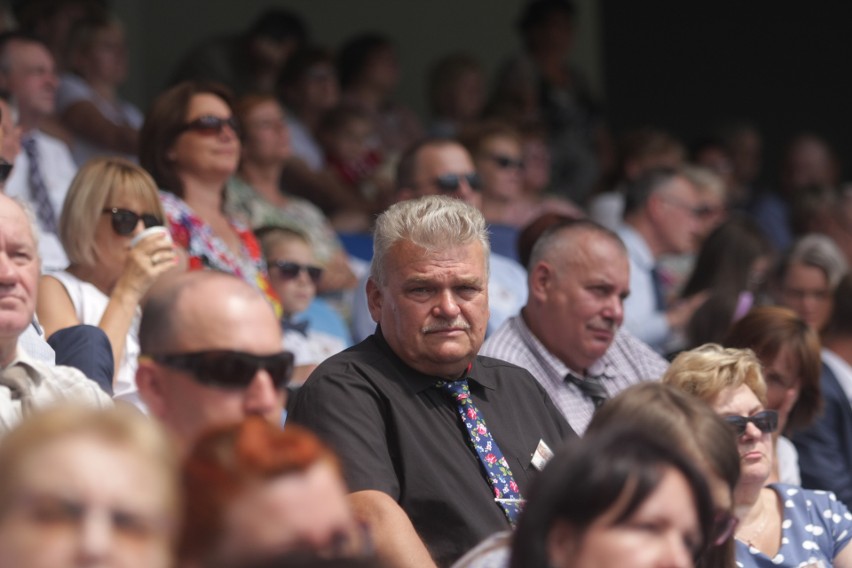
{"x": 641, "y": 316}
{"x": 304, "y": 145}
{"x": 57, "y": 169}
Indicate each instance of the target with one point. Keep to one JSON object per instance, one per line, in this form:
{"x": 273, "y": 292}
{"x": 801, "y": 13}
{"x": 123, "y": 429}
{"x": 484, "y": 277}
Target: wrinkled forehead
{"x": 15, "y": 222}
{"x": 438, "y": 160}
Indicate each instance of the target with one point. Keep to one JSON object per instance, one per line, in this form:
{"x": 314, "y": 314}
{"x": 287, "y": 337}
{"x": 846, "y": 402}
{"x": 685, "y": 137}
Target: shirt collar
{"x": 416, "y": 382}
{"x": 639, "y": 250}
{"x": 23, "y": 360}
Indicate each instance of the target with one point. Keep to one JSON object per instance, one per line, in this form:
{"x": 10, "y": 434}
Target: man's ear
{"x": 150, "y": 385}
{"x": 540, "y": 280}
{"x": 374, "y": 299}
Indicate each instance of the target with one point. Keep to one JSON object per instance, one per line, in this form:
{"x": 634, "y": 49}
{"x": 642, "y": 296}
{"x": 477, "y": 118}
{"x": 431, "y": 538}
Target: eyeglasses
{"x": 724, "y": 524}
{"x": 506, "y": 162}
{"x": 5, "y": 170}
{"x": 209, "y": 125}
{"x": 699, "y": 211}
{"x": 125, "y": 220}
{"x": 230, "y": 369}
{"x": 448, "y": 183}
{"x": 289, "y": 270}
{"x": 765, "y": 421}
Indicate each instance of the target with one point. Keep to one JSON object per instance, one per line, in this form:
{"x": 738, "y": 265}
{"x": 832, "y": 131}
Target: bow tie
{"x": 301, "y": 326}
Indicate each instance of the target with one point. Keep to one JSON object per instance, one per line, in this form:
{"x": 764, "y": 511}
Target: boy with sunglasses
{"x": 294, "y": 274}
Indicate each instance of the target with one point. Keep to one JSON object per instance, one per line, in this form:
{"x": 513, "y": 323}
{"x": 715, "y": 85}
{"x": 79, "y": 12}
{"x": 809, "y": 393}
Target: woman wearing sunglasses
{"x": 190, "y": 144}
{"x": 779, "y": 524}
{"x": 110, "y": 201}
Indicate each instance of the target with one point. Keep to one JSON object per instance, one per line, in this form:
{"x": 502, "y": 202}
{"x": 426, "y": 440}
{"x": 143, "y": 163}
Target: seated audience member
{"x": 248, "y": 62}
{"x": 535, "y": 177}
{"x": 778, "y": 523}
{"x": 732, "y": 268}
{"x": 309, "y": 88}
{"x": 595, "y": 502}
{"x": 43, "y": 171}
{"x": 369, "y": 74}
{"x": 110, "y": 202}
{"x": 456, "y": 94}
{"x": 825, "y": 447}
{"x": 87, "y": 101}
{"x": 569, "y": 335}
{"x": 809, "y": 164}
{"x": 390, "y": 406}
{"x": 352, "y": 156}
{"x": 25, "y": 383}
{"x": 81, "y": 487}
{"x": 807, "y": 277}
{"x": 255, "y": 192}
{"x": 789, "y": 351}
{"x": 638, "y": 151}
{"x": 254, "y": 491}
{"x": 665, "y": 413}
{"x": 294, "y": 274}
{"x": 444, "y": 167}
{"x": 190, "y": 145}
{"x": 211, "y": 354}
{"x": 660, "y": 217}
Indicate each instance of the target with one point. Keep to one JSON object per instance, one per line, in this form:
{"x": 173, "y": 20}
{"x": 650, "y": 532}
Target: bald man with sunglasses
{"x": 439, "y": 166}
{"x": 211, "y": 354}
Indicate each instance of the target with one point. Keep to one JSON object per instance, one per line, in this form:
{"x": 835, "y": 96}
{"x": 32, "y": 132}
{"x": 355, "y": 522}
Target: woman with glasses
{"x": 190, "y": 145}
{"x": 80, "y": 487}
{"x": 779, "y": 524}
{"x": 109, "y": 203}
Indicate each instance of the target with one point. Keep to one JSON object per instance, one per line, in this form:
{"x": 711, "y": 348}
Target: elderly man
{"x": 25, "y": 383}
{"x": 662, "y": 215}
{"x": 211, "y": 354}
{"x": 569, "y": 334}
{"x": 44, "y": 169}
{"x": 416, "y": 416}
{"x": 436, "y": 166}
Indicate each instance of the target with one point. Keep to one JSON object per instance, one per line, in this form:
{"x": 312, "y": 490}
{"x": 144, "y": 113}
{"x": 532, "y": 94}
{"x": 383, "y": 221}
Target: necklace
{"x": 750, "y": 536}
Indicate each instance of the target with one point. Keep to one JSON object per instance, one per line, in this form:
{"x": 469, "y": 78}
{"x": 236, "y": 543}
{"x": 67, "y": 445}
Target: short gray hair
{"x": 818, "y": 251}
{"x": 32, "y": 221}
{"x": 432, "y": 222}
{"x": 560, "y": 239}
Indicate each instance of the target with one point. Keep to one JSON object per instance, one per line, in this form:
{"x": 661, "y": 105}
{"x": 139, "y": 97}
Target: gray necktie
{"x": 38, "y": 188}
{"x": 15, "y": 378}
{"x": 591, "y": 387}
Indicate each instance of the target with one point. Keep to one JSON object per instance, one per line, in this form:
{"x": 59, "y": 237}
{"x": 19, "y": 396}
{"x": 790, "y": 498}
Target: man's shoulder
{"x": 62, "y": 382}
{"x": 627, "y": 350}
{"x": 505, "y": 342}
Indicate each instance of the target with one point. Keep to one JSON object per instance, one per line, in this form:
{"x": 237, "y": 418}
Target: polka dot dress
{"x": 815, "y": 528}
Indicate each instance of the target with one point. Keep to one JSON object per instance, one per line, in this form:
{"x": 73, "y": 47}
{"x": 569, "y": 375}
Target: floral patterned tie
{"x": 497, "y": 472}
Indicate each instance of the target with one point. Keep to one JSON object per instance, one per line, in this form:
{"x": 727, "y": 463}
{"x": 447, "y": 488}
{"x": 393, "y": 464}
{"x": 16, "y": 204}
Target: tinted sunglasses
{"x": 506, "y": 162}
{"x": 290, "y": 270}
{"x": 209, "y": 125}
{"x": 449, "y": 183}
{"x": 724, "y": 524}
{"x": 5, "y": 170}
{"x": 125, "y": 220}
{"x": 765, "y": 421}
{"x": 230, "y": 369}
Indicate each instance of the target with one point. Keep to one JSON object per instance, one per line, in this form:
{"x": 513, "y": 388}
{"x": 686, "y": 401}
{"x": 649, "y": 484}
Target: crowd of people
{"x": 279, "y": 319}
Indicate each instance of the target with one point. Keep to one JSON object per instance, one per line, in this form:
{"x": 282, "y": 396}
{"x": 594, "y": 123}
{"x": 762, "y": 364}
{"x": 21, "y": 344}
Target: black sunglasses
{"x": 125, "y": 220}
{"x": 289, "y": 270}
{"x": 449, "y": 183}
{"x": 506, "y": 162}
{"x": 209, "y": 125}
{"x": 766, "y": 421}
{"x": 230, "y": 369}
{"x": 5, "y": 170}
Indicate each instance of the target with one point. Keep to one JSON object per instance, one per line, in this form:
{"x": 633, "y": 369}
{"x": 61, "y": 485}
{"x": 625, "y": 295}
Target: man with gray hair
{"x": 25, "y": 383}
{"x": 438, "y": 444}
{"x": 569, "y": 334}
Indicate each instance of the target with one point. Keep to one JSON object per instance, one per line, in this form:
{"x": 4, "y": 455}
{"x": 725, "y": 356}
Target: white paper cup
{"x": 148, "y": 232}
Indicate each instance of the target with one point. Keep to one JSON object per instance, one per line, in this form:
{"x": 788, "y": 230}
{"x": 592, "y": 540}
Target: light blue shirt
{"x": 641, "y": 316}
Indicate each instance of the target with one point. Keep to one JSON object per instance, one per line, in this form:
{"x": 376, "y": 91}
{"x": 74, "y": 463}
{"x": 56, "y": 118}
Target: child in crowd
{"x": 294, "y": 273}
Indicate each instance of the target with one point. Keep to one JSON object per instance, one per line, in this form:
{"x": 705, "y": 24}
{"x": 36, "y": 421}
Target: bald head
{"x": 188, "y": 308}
{"x": 560, "y": 243}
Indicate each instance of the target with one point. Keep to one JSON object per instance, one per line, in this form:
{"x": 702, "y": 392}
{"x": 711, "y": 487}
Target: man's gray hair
{"x": 432, "y": 222}
{"x": 558, "y": 240}
{"x": 32, "y": 221}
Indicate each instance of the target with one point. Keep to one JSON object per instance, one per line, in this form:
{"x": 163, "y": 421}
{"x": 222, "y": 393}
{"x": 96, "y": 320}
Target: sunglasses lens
{"x": 232, "y": 369}
{"x": 473, "y": 181}
{"x": 315, "y": 273}
{"x": 150, "y": 221}
{"x": 287, "y": 270}
{"x": 123, "y": 221}
{"x": 447, "y": 183}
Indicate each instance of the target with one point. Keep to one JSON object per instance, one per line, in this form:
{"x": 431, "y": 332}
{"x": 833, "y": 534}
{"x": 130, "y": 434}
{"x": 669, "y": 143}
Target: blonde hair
{"x": 432, "y": 222}
{"x": 709, "y": 369}
{"x": 87, "y": 196}
{"x": 122, "y": 428}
